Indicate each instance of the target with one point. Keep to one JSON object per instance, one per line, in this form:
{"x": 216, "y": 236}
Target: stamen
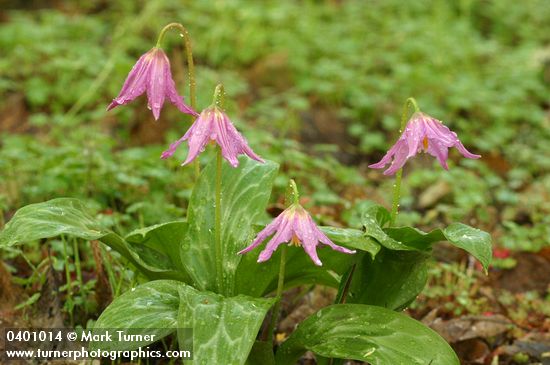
{"x": 425, "y": 141}
{"x": 295, "y": 241}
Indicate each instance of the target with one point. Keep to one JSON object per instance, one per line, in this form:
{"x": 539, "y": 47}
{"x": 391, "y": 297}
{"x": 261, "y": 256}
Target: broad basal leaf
{"x": 70, "y": 217}
{"x": 245, "y": 193}
{"x": 150, "y": 309}
{"x": 373, "y": 334}
{"x": 50, "y": 219}
{"x": 224, "y": 329}
{"x": 160, "y": 245}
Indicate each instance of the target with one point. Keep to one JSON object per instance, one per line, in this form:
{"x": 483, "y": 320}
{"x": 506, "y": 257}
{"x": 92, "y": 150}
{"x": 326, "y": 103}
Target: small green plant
{"x": 197, "y": 276}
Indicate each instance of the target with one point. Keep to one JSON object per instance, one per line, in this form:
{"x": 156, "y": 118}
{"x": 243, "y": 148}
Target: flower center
{"x": 295, "y": 241}
{"x": 425, "y": 142}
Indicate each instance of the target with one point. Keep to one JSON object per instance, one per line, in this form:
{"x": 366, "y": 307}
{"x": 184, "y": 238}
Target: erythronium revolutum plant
{"x": 208, "y": 273}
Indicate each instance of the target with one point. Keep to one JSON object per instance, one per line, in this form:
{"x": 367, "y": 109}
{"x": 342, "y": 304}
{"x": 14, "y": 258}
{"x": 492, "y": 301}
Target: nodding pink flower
{"x": 295, "y": 226}
{"x": 426, "y": 134}
{"x": 151, "y": 73}
{"x": 213, "y": 125}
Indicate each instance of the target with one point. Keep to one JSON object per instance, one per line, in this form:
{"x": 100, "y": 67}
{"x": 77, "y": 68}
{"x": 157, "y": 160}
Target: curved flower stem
{"x": 191, "y": 70}
{"x": 399, "y": 174}
{"x": 279, "y": 294}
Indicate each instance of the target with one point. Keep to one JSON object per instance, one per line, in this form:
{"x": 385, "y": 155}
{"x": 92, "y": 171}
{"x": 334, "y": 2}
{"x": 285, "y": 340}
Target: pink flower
{"x": 151, "y": 73}
{"x": 293, "y": 225}
{"x": 213, "y": 125}
{"x": 423, "y": 133}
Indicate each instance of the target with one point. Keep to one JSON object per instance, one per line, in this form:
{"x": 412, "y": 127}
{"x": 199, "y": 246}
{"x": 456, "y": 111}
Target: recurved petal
{"x": 437, "y": 130}
{"x": 325, "y": 240}
{"x": 437, "y": 149}
{"x": 176, "y": 98}
{"x": 156, "y": 86}
{"x": 136, "y": 82}
{"x": 178, "y": 101}
{"x": 414, "y": 133}
{"x": 387, "y": 157}
{"x": 460, "y": 147}
{"x": 284, "y": 234}
{"x": 399, "y": 158}
{"x": 263, "y": 234}
{"x": 231, "y": 141}
{"x": 306, "y": 231}
{"x": 172, "y": 149}
{"x": 198, "y": 135}
{"x": 225, "y": 138}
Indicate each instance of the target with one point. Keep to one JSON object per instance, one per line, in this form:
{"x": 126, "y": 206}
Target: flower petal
{"x": 284, "y": 234}
{"x": 305, "y": 231}
{"x": 156, "y": 86}
{"x": 440, "y": 151}
{"x": 387, "y": 157}
{"x": 460, "y": 147}
{"x": 231, "y": 141}
{"x": 399, "y": 159}
{"x": 136, "y": 82}
{"x": 325, "y": 240}
{"x": 199, "y": 134}
{"x": 264, "y": 233}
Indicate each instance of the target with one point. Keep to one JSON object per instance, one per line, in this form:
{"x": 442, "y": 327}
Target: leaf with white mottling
{"x": 160, "y": 244}
{"x": 70, "y": 217}
{"x": 366, "y": 333}
{"x": 150, "y": 309}
{"x": 224, "y": 329}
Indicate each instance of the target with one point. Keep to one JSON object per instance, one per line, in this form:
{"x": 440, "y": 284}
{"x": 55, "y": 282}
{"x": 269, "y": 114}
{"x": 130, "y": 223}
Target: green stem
{"x": 191, "y": 72}
{"x": 68, "y": 279}
{"x": 218, "y": 219}
{"x": 219, "y": 102}
{"x": 279, "y": 294}
{"x": 76, "y": 253}
{"x": 399, "y": 174}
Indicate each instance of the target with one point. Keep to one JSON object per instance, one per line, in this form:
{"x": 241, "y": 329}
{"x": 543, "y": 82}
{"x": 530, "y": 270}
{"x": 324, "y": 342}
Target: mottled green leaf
{"x": 151, "y": 308}
{"x": 245, "y": 193}
{"x": 49, "y": 219}
{"x": 373, "y": 334}
{"x": 224, "y": 329}
{"x": 160, "y": 245}
{"x": 70, "y": 217}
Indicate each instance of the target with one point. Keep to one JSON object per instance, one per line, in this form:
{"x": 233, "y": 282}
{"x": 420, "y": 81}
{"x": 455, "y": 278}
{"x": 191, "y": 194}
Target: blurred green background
{"x": 317, "y": 86}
